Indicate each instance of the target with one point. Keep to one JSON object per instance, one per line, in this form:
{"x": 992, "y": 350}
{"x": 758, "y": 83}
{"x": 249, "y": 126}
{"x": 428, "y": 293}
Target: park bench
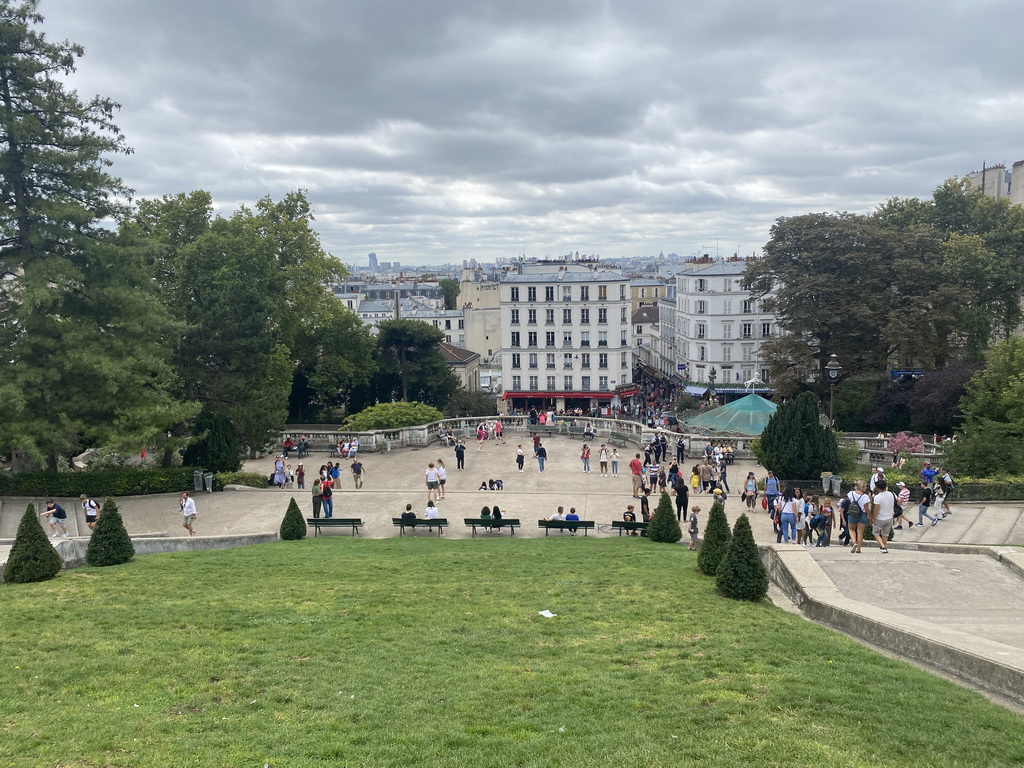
{"x": 626, "y": 525}
{"x": 619, "y": 438}
{"x": 334, "y": 522}
{"x": 543, "y": 429}
{"x": 401, "y": 523}
{"x": 581, "y": 432}
{"x": 562, "y": 525}
{"x": 480, "y": 522}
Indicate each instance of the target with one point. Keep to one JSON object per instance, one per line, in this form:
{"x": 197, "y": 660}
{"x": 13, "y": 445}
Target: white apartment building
{"x": 720, "y": 328}
{"x": 566, "y": 341}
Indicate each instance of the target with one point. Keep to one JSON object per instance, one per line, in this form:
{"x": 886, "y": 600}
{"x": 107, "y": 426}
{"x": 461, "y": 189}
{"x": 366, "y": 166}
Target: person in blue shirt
{"x": 928, "y": 474}
{"x": 572, "y": 516}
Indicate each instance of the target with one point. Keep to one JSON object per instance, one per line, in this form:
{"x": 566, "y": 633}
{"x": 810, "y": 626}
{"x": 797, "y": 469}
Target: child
{"x": 695, "y": 478}
{"x": 692, "y": 528}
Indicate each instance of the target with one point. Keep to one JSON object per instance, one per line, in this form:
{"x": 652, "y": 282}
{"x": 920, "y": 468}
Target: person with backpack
{"x": 855, "y": 506}
{"x": 883, "y": 511}
{"x": 91, "y": 510}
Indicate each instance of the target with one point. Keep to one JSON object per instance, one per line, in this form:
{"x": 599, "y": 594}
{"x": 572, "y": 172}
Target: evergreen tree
{"x": 217, "y": 447}
{"x": 716, "y": 540}
{"x": 32, "y": 557}
{"x": 411, "y": 366}
{"x": 82, "y": 328}
{"x": 293, "y": 526}
{"x": 741, "y": 574}
{"x": 110, "y": 543}
{"x": 795, "y": 445}
{"x": 664, "y": 527}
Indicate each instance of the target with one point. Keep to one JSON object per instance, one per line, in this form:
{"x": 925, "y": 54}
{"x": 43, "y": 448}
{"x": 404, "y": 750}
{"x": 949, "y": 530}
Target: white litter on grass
{"x": 547, "y": 614}
{"x": 562, "y": 729}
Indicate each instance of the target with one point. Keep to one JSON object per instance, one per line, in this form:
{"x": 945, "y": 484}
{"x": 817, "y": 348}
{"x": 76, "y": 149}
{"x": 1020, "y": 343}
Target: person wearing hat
{"x": 878, "y": 475}
{"x": 719, "y": 494}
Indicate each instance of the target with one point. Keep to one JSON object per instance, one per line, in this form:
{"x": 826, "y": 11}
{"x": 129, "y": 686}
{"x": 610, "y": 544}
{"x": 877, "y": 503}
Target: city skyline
{"x": 438, "y": 133}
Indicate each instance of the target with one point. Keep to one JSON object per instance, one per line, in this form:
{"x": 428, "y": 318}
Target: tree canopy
{"x": 795, "y": 445}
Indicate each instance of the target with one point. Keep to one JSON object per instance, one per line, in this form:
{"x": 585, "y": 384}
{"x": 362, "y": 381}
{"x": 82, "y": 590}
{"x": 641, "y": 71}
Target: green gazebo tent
{"x": 747, "y": 416}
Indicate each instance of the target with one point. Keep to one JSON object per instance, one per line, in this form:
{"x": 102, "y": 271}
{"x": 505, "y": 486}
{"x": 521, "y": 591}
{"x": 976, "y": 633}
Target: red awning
{"x": 591, "y": 395}
{"x": 628, "y": 392}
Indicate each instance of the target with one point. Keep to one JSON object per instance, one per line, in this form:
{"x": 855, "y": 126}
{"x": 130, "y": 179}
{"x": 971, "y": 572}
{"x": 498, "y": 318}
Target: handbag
{"x": 764, "y": 503}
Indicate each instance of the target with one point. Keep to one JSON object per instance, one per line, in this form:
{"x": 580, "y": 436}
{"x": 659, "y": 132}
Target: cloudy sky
{"x": 433, "y": 131}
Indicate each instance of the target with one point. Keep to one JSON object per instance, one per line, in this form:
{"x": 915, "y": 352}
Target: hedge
{"x": 106, "y": 482}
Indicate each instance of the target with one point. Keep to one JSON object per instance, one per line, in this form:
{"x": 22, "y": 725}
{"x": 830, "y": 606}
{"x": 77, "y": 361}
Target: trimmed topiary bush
{"x": 293, "y": 527}
{"x": 110, "y": 543}
{"x": 716, "y": 540}
{"x": 128, "y": 481}
{"x": 663, "y": 526}
{"x": 32, "y": 556}
{"x": 741, "y": 574}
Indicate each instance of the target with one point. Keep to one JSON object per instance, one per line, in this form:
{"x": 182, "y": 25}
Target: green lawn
{"x": 409, "y": 652}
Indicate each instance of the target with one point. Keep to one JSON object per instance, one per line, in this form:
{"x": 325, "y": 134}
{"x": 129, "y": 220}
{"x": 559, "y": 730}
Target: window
{"x": 516, "y": 360}
{"x": 726, "y": 330}
{"x": 727, "y": 353}
{"x": 602, "y": 338}
{"x": 702, "y": 352}
{"x": 764, "y": 375}
{"x": 766, "y": 330}
{"x": 585, "y": 316}
{"x": 549, "y": 339}
{"x": 567, "y": 360}
{"x": 584, "y": 338}
{"x": 702, "y": 285}
{"x": 515, "y": 317}
{"x": 531, "y": 339}
{"x": 447, "y": 325}
{"x": 567, "y": 383}
{"x": 639, "y": 330}
{"x": 515, "y": 339}
{"x": 585, "y": 360}
{"x": 533, "y": 383}
{"x": 531, "y": 293}
{"x": 584, "y": 293}
{"x": 727, "y": 284}
{"x": 585, "y": 383}
{"x": 531, "y": 316}
{"x": 515, "y": 297}
{"x": 622, "y": 314}
{"x": 602, "y": 316}
{"x": 549, "y": 293}
{"x": 567, "y": 316}
{"x": 701, "y": 330}
{"x": 623, "y": 338}
{"x": 602, "y": 360}
{"x": 702, "y": 307}
{"x": 566, "y": 338}
{"x": 747, "y": 374}
{"x": 747, "y": 330}
{"x": 727, "y": 307}
{"x": 517, "y": 383}
{"x": 461, "y": 321}
{"x": 566, "y": 293}
{"x": 551, "y": 382}
{"x": 684, "y": 286}
{"x": 549, "y": 317}
{"x": 748, "y": 306}
{"x": 623, "y": 360}
{"x": 602, "y": 293}
{"x": 643, "y": 293}
{"x": 748, "y": 353}
{"x": 602, "y": 383}
{"x": 533, "y": 359}
{"x": 622, "y": 292}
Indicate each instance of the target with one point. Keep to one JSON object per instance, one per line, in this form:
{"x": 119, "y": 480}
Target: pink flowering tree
{"x": 901, "y": 442}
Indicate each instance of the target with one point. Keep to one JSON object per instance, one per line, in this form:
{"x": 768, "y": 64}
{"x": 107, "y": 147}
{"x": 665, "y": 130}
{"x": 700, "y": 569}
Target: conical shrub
{"x": 663, "y": 526}
{"x": 716, "y": 539}
{"x": 110, "y": 543}
{"x": 293, "y": 527}
{"x": 32, "y": 556}
{"x": 741, "y": 574}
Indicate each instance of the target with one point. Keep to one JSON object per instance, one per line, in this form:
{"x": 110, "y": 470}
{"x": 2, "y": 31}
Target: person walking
{"x": 91, "y": 510}
{"x": 682, "y": 489}
{"x": 771, "y": 491}
{"x": 499, "y": 431}
{"x": 856, "y": 506}
{"x": 787, "y": 516}
{"x": 750, "y": 492}
{"x": 188, "y": 513}
{"x": 883, "y": 510}
{"x": 520, "y": 458}
{"x": 432, "y": 482}
{"x": 460, "y": 455}
{"x": 693, "y": 528}
{"x": 541, "y": 455}
{"x": 300, "y": 476}
{"x": 327, "y": 498}
{"x": 926, "y": 501}
{"x": 358, "y": 473}
{"x": 57, "y": 518}
{"x": 442, "y": 478}
{"x": 636, "y": 467}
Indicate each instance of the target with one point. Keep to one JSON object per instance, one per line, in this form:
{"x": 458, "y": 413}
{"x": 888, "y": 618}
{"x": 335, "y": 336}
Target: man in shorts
{"x": 91, "y": 510}
{"x": 883, "y": 509}
{"x": 58, "y": 518}
{"x": 188, "y": 513}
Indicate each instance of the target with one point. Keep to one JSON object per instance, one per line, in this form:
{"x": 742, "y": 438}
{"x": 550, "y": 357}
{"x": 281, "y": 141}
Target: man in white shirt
{"x": 188, "y": 513}
{"x": 559, "y": 515}
{"x": 878, "y": 475}
{"x": 883, "y": 507}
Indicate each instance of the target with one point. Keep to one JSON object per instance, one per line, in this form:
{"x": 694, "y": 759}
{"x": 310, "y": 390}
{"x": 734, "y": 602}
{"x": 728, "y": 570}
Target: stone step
{"x": 992, "y": 525}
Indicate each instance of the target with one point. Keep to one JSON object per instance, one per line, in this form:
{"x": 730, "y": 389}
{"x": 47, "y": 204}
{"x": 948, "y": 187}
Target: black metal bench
{"x": 401, "y": 523}
{"x": 619, "y": 438}
{"x": 629, "y": 527}
{"x": 564, "y": 525}
{"x": 334, "y": 522}
{"x": 488, "y": 525}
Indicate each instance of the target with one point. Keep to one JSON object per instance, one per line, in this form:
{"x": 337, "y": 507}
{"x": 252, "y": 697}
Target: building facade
{"x": 566, "y": 342}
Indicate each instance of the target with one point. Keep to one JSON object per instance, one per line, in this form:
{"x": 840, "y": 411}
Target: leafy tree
{"x": 293, "y": 526}
{"x": 795, "y": 445}
{"x": 470, "y": 402}
{"x": 393, "y": 416}
{"x": 450, "y": 289}
{"x": 664, "y": 526}
{"x": 216, "y": 447}
{"x": 741, "y": 574}
{"x": 890, "y": 407}
{"x": 935, "y": 404}
{"x": 991, "y": 440}
{"x": 716, "y": 540}
{"x": 411, "y": 364}
{"x": 81, "y": 322}
{"x": 109, "y": 543}
{"x": 32, "y": 557}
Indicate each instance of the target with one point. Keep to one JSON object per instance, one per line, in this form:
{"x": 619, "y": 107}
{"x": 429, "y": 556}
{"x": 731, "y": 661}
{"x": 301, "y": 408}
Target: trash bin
{"x": 197, "y": 479}
{"x": 837, "y": 485}
{"x": 208, "y": 481}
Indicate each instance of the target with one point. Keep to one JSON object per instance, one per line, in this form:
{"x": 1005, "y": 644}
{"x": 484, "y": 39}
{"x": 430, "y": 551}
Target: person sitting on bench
{"x": 408, "y": 514}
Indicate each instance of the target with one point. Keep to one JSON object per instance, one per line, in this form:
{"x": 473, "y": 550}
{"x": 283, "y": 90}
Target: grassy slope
{"x": 404, "y": 652}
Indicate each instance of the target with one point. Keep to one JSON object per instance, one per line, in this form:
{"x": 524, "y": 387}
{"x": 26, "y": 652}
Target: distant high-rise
{"x": 373, "y": 262}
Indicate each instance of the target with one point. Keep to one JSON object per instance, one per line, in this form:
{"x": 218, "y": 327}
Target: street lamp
{"x": 712, "y": 375}
{"x": 833, "y": 367}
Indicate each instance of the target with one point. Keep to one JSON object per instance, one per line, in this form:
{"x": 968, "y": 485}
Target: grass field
{"x": 406, "y": 652}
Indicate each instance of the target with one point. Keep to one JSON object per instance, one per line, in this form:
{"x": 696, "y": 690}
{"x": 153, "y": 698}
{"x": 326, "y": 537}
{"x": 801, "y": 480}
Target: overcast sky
{"x": 431, "y": 131}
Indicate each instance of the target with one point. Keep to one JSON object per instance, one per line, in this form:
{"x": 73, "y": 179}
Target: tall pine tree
{"x": 794, "y": 444}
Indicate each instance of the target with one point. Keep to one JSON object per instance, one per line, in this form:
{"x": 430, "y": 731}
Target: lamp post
{"x": 833, "y": 367}
{"x": 712, "y": 375}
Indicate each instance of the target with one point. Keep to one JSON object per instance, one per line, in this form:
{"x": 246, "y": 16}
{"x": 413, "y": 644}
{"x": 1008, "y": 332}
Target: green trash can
{"x": 197, "y": 480}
